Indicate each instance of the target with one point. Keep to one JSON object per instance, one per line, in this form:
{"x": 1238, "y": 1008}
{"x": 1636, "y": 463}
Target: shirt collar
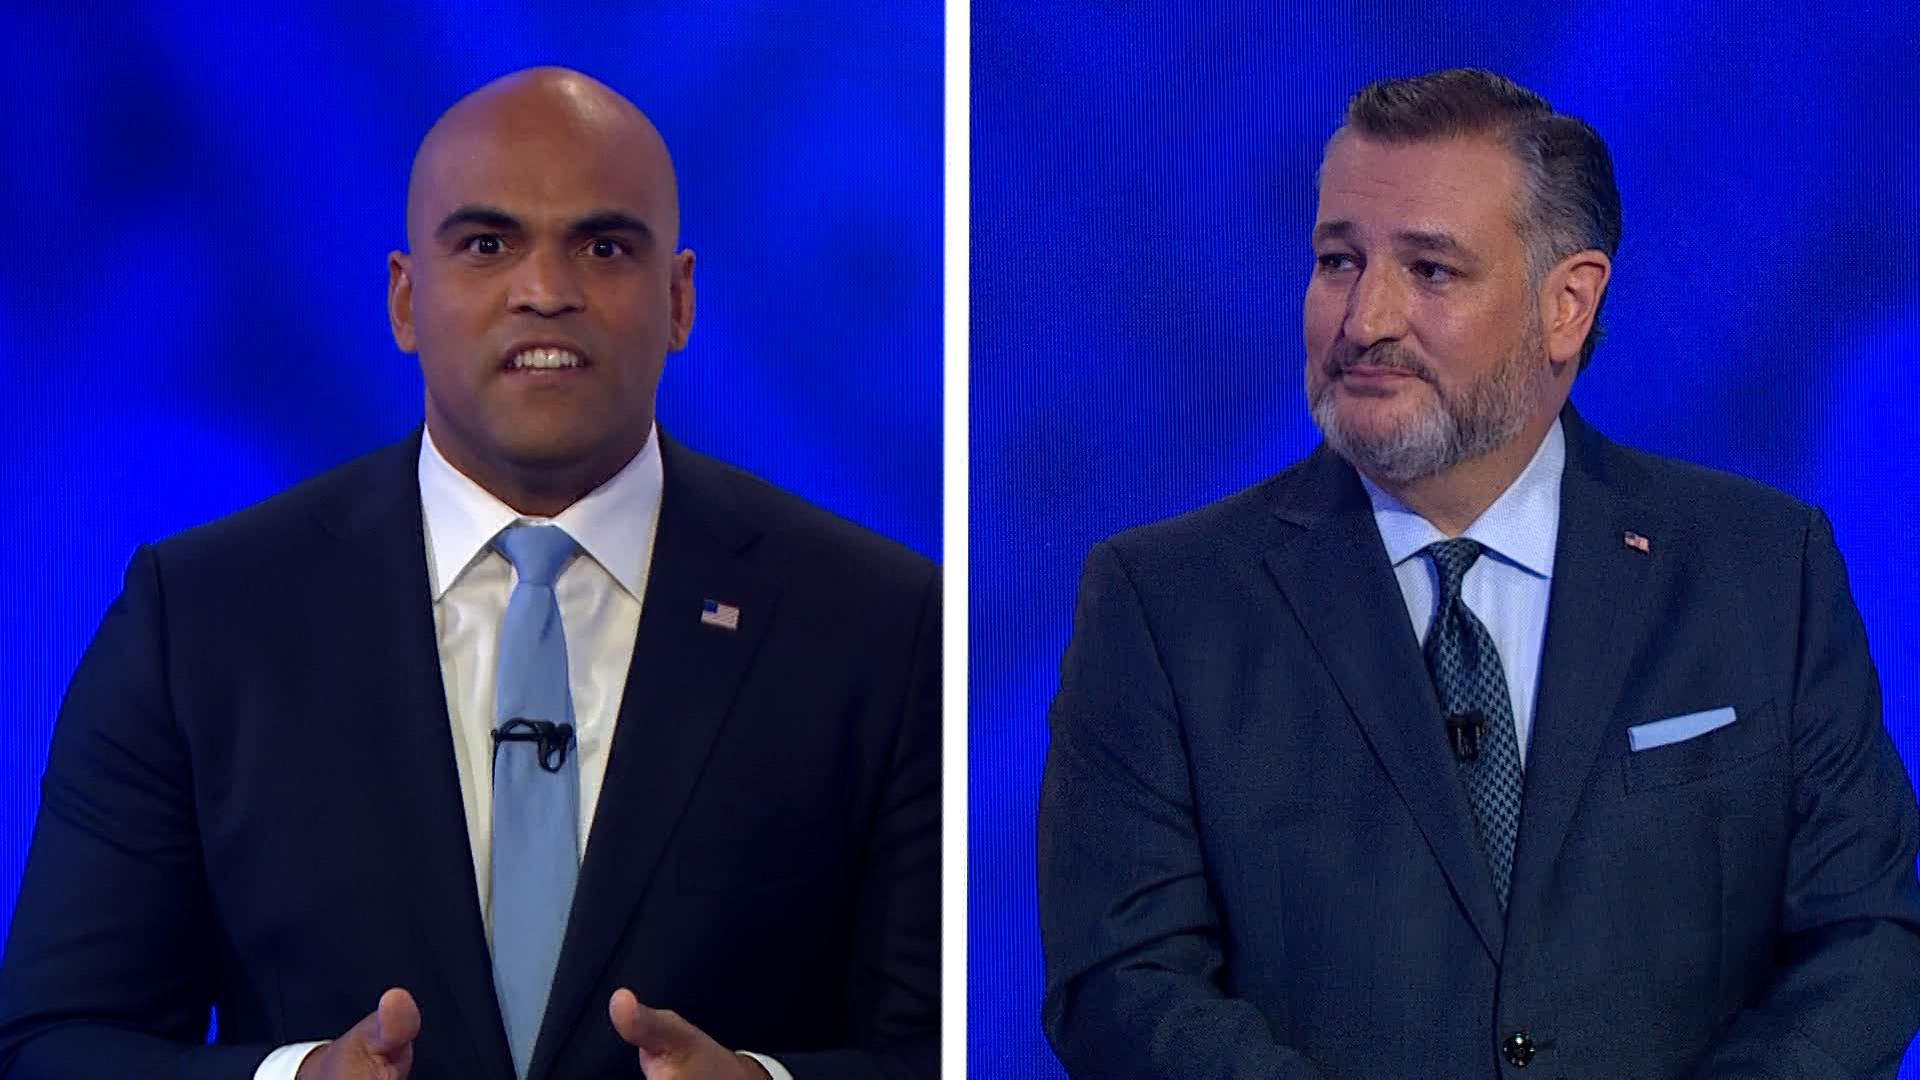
{"x": 613, "y": 523}
{"x": 1521, "y": 527}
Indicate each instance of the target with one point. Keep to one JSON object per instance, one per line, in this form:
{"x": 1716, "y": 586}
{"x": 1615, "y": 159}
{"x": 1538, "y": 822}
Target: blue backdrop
{"x": 200, "y": 203}
{"x": 1142, "y": 195}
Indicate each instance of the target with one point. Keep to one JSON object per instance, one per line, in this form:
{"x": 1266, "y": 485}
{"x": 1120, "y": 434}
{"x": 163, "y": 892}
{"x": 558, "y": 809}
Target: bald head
{"x": 545, "y": 113}
{"x": 543, "y": 284}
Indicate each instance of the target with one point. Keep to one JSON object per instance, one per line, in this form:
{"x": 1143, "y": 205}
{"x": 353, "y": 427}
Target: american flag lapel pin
{"x": 715, "y": 613}
{"x": 1637, "y": 542}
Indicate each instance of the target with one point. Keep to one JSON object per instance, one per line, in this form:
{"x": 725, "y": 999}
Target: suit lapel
{"x": 393, "y": 717}
{"x": 680, "y": 683}
{"x": 1597, "y": 614}
{"x": 1333, "y": 569}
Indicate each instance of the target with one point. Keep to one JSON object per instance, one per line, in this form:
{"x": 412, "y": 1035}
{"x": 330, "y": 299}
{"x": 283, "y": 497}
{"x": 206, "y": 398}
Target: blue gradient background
{"x": 1142, "y": 194}
{"x": 200, "y": 203}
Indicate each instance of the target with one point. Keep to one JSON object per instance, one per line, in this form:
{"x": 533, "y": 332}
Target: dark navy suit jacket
{"x": 1256, "y": 859}
{"x": 251, "y": 802}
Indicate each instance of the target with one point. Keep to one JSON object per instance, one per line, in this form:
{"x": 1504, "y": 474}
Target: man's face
{"x": 542, "y": 291}
{"x": 1424, "y": 336}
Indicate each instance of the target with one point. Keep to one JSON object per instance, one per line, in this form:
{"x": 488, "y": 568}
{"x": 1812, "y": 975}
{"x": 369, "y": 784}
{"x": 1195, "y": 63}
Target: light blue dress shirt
{"x": 1508, "y": 588}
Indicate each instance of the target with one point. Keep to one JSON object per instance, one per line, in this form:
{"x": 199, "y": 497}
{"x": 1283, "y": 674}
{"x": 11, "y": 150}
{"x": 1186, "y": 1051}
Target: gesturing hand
{"x": 377, "y": 1048}
{"x": 672, "y": 1049}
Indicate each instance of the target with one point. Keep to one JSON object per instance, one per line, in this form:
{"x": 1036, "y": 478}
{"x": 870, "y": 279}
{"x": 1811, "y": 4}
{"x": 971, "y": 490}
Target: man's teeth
{"x": 546, "y": 358}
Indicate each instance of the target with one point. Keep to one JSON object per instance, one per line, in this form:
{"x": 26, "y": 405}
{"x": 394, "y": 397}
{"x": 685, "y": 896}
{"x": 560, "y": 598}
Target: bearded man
{"x": 1473, "y": 743}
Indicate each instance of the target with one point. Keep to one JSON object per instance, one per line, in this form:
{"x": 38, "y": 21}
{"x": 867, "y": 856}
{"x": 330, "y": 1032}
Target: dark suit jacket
{"x": 1256, "y": 859}
{"x": 251, "y": 802}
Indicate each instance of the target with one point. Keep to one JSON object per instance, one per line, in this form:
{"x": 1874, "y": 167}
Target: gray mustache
{"x": 1389, "y": 356}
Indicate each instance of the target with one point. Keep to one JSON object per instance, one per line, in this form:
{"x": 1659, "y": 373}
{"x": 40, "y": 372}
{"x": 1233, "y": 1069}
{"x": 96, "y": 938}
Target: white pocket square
{"x": 1678, "y": 728}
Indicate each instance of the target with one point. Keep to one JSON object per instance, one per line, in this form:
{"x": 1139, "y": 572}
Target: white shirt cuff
{"x": 774, "y": 1068}
{"x": 284, "y": 1063}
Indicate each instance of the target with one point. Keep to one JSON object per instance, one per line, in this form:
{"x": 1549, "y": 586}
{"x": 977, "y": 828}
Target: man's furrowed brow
{"x": 612, "y": 221}
{"x": 485, "y": 217}
{"x": 1430, "y": 240}
{"x": 1427, "y": 240}
{"x": 1332, "y": 230}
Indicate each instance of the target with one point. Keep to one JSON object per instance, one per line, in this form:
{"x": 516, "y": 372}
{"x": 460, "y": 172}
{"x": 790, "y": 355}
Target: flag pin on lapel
{"x": 724, "y": 616}
{"x": 1637, "y": 542}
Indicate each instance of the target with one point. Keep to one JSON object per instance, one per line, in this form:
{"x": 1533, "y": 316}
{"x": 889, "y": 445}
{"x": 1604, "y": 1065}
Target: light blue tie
{"x": 536, "y": 787}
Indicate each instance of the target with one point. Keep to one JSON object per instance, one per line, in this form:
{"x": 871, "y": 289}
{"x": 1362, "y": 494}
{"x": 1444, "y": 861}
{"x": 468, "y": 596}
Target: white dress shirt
{"x": 1508, "y": 587}
{"x": 599, "y": 592}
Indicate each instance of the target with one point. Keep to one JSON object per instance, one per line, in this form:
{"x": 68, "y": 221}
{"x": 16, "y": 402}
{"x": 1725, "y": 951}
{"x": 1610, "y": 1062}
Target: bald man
{"x": 397, "y": 798}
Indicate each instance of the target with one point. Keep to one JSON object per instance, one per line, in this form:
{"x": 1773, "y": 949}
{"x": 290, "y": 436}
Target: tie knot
{"x": 537, "y": 552}
{"x": 1453, "y": 558}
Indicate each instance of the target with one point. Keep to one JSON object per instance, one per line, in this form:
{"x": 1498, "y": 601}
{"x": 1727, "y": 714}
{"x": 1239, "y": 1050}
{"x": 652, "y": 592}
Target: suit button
{"x": 1518, "y": 1049}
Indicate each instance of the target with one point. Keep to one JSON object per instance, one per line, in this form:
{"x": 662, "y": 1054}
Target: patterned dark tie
{"x": 1473, "y": 693}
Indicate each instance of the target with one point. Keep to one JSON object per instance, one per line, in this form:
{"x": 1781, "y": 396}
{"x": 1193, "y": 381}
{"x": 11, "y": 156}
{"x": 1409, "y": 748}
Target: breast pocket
{"x": 776, "y": 855}
{"x": 1755, "y": 734}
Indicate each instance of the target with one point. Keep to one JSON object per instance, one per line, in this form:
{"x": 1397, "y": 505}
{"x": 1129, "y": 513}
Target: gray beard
{"x": 1487, "y": 415}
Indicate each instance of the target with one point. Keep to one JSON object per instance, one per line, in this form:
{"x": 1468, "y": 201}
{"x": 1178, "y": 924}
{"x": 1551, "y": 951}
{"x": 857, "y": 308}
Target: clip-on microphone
{"x": 552, "y": 739}
{"x": 1463, "y": 730}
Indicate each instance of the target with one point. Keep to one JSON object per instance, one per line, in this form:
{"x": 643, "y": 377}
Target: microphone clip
{"x": 1463, "y": 731}
{"x": 551, "y": 739}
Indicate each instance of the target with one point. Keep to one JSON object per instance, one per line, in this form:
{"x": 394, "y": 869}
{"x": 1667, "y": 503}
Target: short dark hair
{"x": 1571, "y": 203}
